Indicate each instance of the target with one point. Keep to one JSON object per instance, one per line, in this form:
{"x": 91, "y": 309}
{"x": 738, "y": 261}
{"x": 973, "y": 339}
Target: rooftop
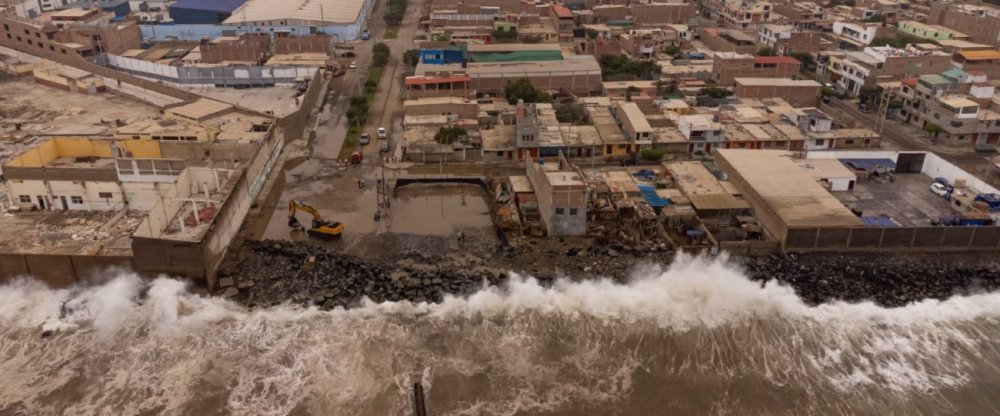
{"x": 694, "y": 178}
{"x": 777, "y": 82}
{"x": 324, "y": 11}
{"x": 580, "y": 64}
{"x": 979, "y": 55}
{"x": 226, "y": 6}
{"x": 788, "y": 190}
{"x": 630, "y": 110}
{"x": 775, "y": 60}
{"x": 200, "y": 109}
{"x": 93, "y": 233}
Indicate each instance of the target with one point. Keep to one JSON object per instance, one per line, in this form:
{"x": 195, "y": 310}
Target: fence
{"x": 894, "y": 238}
{"x": 239, "y": 76}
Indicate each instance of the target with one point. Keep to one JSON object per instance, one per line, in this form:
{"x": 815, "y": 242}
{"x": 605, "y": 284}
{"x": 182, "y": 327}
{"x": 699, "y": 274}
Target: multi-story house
{"x": 853, "y": 36}
{"x": 931, "y": 32}
{"x": 702, "y": 131}
{"x": 980, "y": 22}
{"x": 786, "y": 39}
{"x": 854, "y": 70}
{"x": 728, "y": 66}
{"x": 801, "y": 14}
{"x": 741, "y": 14}
{"x": 956, "y": 101}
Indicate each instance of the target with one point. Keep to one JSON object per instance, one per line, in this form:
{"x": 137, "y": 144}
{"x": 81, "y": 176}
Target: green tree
{"x": 932, "y": 129}
{"x": 651, "y": 155}
{"x": 766, "y": 52}
{"x": 622, "y": 68}
{"x": 521, "y": 89}
{"x": 715, "y": 92}
{"x": 570, "y": 113}
{"x": 380, "y": 54}
{"x": 869, "y": 94}
{"x": 828, "y": 92}
{"x": 449, "y": 134}
{"x": 671, "y": 50}
{"x": 807, "y": 60}
{"x": 509, "y": 35}
{"x": 411, "y": 57}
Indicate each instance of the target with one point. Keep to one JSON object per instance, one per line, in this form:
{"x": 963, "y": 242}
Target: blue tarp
{"x": 654, "y": 200}
{"x": 868, "y": 164}
{"x": 880, "y": 221}
{"x": 646, "y": 175}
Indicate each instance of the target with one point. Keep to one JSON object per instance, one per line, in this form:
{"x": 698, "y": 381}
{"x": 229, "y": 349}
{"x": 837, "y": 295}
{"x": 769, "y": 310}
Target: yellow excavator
{"x": 321, "y": 228}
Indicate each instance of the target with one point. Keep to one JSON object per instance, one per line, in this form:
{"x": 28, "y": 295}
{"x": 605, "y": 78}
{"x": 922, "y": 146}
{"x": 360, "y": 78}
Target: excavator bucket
{"x": 294, "y": 223}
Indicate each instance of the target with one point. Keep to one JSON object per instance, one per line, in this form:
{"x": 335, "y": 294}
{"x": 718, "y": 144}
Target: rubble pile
{"x": 888, "y": 280}
{"x": 272, "y": 272}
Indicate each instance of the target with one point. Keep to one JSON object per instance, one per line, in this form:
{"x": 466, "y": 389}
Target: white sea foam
{"x": 534, "y": 348}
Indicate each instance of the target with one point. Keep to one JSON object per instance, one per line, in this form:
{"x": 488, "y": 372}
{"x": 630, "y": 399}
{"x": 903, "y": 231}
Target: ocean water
{"x": 695, "y": 338}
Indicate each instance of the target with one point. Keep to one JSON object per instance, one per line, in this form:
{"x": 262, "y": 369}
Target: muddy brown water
{"x": 698, "y": 338}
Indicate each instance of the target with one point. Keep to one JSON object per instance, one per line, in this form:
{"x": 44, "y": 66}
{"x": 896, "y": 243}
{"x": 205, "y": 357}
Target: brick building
{"x": 657, "y": 14}
{"x": 786, "y": 39}
{"x": 284, "y": 43}
{"x": 69, "y": 38}
{"x": 725, "y": 40}
{"x": 980, "y": 22}
{"x": 728, "y": 66}
{"x": 248, "y": 47}
{"x": 799, "y": 93}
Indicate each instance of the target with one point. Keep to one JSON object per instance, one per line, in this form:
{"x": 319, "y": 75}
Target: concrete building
{"x": 874, "y": 65}
{"x": 854, "y": 36}
{"x": 84, "y": 38}
{"x": 956, "y": 101}
{"x": 799, "y": 93}
{"x": 986, "y": 61}
{"x": 724, "y": 40}
{"x": 703, "y": 133}
{"x": 657, "y": 14}
{"x": 820, "y": 134}
{"x": 932, "y": 32}
{"x": 728, "y": 66}
{"x": 786, "y": 39}
{"x": 741, "y": 14}
{"x": 21, "y": 8}
{"x": 801, "y": 14}
{"x": 202, "y": 11}
{"x": 783, "y": 194}
{"x": 634, "y": 124}
{"x": 562, "y": 196}
{"x": 980, "y": 22}
{"x": 248, "y": 48}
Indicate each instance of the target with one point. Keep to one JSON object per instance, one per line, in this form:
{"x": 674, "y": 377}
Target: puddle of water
{"x": 438, "y": 209}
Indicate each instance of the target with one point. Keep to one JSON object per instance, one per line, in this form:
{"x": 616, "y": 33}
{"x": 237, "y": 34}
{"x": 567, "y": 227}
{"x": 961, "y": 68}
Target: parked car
{"x": 864, "y": 108}
{"x": 939, "y": 189}
{"x": 383, "y": 133}
{"x": 365, "y": 138}
{"x": 353, "y": 65}
{"x": 629, "y": 161}
{"x": 356, "y": 157}
{"x": 384, "y": 147}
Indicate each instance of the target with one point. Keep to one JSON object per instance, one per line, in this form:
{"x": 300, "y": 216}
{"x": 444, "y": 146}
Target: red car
{"x": 356, "y": 157}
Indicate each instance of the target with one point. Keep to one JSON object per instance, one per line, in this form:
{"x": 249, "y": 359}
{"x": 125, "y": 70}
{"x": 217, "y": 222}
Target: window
{"x": 25, "y": 199}
{"x": 26, "y": 32}
{"x": 560, "y": 211}
{"x": 104, "y": 195}
{"x": 849, "y": 141}
{"x": 5, "y": 27}
{"x": 572, "y": 211}
{"x": 76, "y": 199}
{"x": 819, "y": 142}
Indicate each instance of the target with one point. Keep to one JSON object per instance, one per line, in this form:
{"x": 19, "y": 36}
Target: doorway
{"x": 64, "y": 204}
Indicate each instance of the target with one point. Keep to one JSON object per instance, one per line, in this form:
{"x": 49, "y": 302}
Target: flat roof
{"x": 958, "y": 101}
{"x": 91, "y": 233}
{"x": 825, "y": 168}
{"x": 226, "y": 6}
{"x": 199, "y": 109}
{"x": 520, "y": 184}
{"x": 775, "y": 60}
{"x": 788, "y": 189}
{"x": 693, "y": 178}
{"x": 324, "y": 11}
{"x": 780, "y": 82}
{"x": 510, "y": 47}
{"x": 635, "y": 116}
{"x": 980, "y": 55}
{"x": 511, "y": 69}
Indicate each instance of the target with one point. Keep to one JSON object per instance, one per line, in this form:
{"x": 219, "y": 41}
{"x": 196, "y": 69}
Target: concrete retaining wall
{"x": 294, "y": 124}
{"x": 894, "y": 239}
{"x": 61, "y": 270}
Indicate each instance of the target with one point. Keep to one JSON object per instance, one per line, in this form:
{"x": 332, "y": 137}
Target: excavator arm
{"x": 320, "y": 227}
{"x": 294, "y": 206}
